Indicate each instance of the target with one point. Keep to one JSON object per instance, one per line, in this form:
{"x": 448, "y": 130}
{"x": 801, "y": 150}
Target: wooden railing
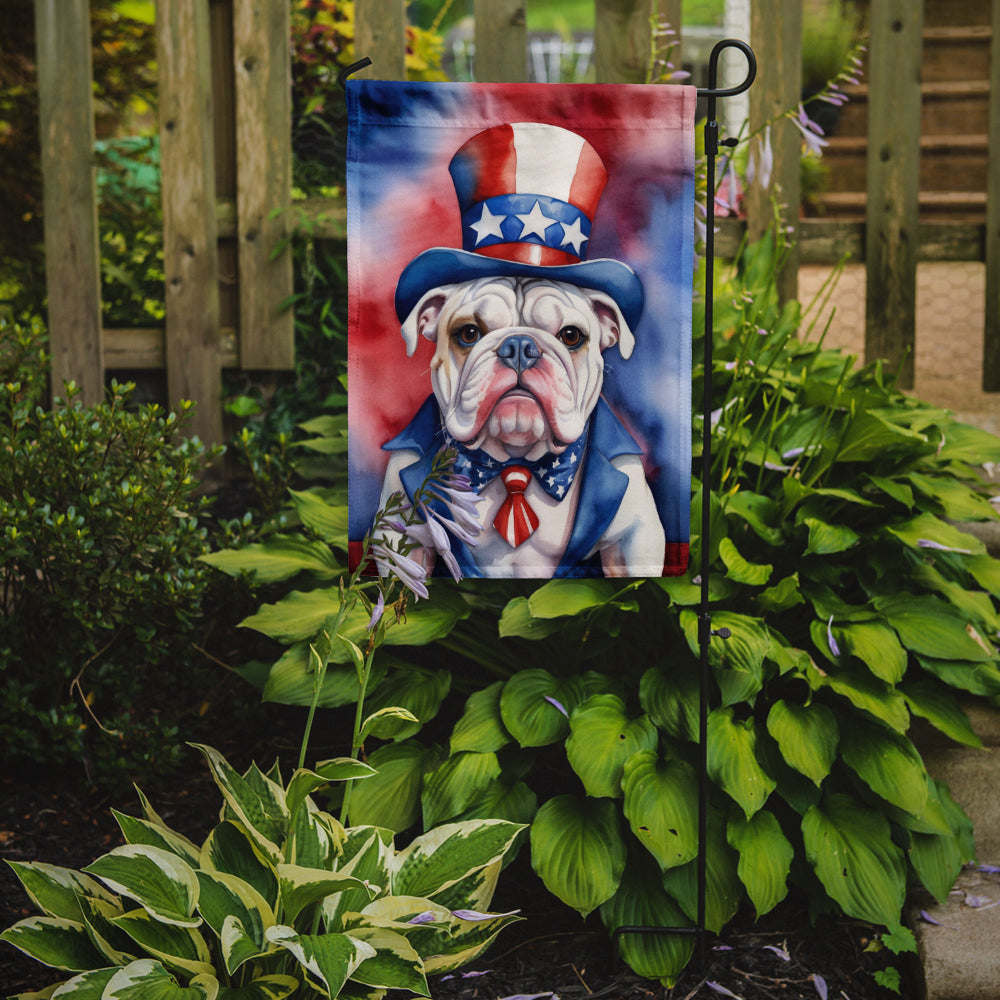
{"x": 226, "y": 160}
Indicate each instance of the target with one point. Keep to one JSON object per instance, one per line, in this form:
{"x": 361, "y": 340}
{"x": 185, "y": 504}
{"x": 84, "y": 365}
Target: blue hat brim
{"x": 445, "y": 266}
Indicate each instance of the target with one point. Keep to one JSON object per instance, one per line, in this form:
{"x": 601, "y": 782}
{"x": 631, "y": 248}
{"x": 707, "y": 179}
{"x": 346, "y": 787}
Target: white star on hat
{"x": 535, "y": 222}
{"x": 574, "y": 236}
{"x": 488, "y": 225}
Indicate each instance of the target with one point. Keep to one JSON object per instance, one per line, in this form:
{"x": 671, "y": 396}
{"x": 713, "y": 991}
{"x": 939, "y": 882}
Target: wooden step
{"x": 956, "y": 53}
{"x": 958, "y": 206}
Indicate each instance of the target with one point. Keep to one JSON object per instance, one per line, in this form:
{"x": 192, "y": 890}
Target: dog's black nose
{"x": 519, "y": 352}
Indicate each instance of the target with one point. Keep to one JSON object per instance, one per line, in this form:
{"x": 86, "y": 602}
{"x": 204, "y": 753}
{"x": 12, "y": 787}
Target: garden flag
{"x": 520, "y": 265}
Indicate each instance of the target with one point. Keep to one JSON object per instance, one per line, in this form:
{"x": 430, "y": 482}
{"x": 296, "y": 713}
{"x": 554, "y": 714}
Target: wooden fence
{"x": 226, "y": 161}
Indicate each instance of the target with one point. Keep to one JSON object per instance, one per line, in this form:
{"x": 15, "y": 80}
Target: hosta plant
{"x": 279, "y": 900}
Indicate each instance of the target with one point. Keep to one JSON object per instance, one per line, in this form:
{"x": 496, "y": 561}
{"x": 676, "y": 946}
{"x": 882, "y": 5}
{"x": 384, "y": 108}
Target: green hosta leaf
{"x": 159, "y": 881}
{"x": 395, "y": 964}
{"x": 765, "y": 858}
{"x": 864, "y": 691}
{"x": 54, "y": 941}
{"x": 641, "y": 901}
{"x": 391, "y": 798}
{"x": 180, "y": 948}
{"x": 327, "y": 520}
{"x": 986, "y": 571}
{"x": 275, "y": 987}
{"x": 828, "y": 539}
{"x": 602, "y": 738}
{"x": 850, "y": 848}
{"x": 226, "y": 898}
{"x": 671, "y": 700}
{"x": 976, "y": 605}
{"x": 535, "y": 706}
{"x": 301, "y": 887}
{"x": 260, "y": 809}
{"x": 937, "y": 860}
{"x": 292, "y": 680}
{"x": 870, "y": 435}
{"x": 888, "y": 763}
{"x": 732, "y": 760}
{"x": 807, "y": 736}
{"x": 481, "y": 728}
{"x": 976, "y": 678}
{"x": 56, "y": 891}
{"x": 738, "y": 661}
{"x": 456, "y": 784}
{"x": 738, "y": 569}
{"x": 941, "y": 709}
{"x": 965, "y": 443}
{"x": 893, "y": 488}
{"x": 957, "y": 501}
{"x": 387, "y": 723}
{"x": 438, "y": 859}
{"x": 516, "y": 803}
{"x": 304, "y": 782}
{"x": 927, "y": 528}
{"x": 141, "y": 831}
{"x": 876, "y": 646}
{"x": 279, "y": 558}
{"x": 723, "y": 889}
{"x": 661, "y": 800}
{"x": 560, "y": 598}
{"x": 147, "y": 979}
{"x": 783, "y": 595}
{"x": 578, "y": 851}
{"x": 330, "y": 959}
{"x": 517, "y": 620}
{"x": 417, "y": 690}
{"x": 758, "y": 511}
{"x": 231, "y": 850}
{"x": 931, "y": 628}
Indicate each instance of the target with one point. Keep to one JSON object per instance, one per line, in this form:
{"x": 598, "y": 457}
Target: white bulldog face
{"x": 517, "y": 367}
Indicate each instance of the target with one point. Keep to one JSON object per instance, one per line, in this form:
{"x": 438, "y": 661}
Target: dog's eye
{"x": 468, "y": 335}
{"x": 572, "y": 336}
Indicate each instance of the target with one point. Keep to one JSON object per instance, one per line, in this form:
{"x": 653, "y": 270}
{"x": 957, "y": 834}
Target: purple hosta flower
{"x": 377, "y": 612}
{"x": 727, "y": 198}
{"x": 927, "y": 543}
{"x": 427, "y": 917}
{"x": 475, "y": 915}
{"x": 831, "y": 642}
{"x": 812, "y": 134}
{"x": 558, "y": 705}
{"x": 719, "y": 988}
{"x": 531, "y": 996}
{"x": 760, "y": 164}
{"x": 820, "y": 983}
{"x": 465, "y": 975}
{"x": 409, "y": 572}
{"x": 780, "y": 952}
{"x": 430, "y": 534}
{"x": 990, "y": 869}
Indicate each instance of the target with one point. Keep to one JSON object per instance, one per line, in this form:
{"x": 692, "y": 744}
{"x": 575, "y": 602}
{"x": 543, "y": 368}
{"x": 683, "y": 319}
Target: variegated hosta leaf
{"x": 116, "y": 947}
{"x": 441, "y": 857}
{"x": 535, "y": 706}
{"x": 723, "y": 889}
{"x": 86, "y": 986}
{"x": 732, "y": 760}
{"x": 141, "y": 831}
{"x": 56, "y": 891}
{"x": 850, "y": 847}
{"x": 456, "y": 784}
{"x": 256, "y": 801}
{"x": 177, "y": 947}
{"x": 225, "y": 897}
{"x": 315, "y": 838}
{"x": 274, "y": 987}
{"x": 467, "y": 940}
{"x": 230, "y": 849}
{"x": 367, "y": 853}
{"x": 602, "y": 737}
{"x": 765, "y": 858}
{"x": 391, "y": 799}
{"x": 328, "y": 959}
{"x": 301, "y": 887}
{"x": 395, "y": 964}
{"x": 304, "y": 782}
{"x": 807, "y": 736}
{"x": 642, "y": 902}
{"x": 54, "y": 941}
{"x": 661, "y": 805}
{"x": 149, "y": 980}
{"x": 888, "y": 763}
{"x": 481, "y": 727}
{"x": 475, "y": 891}
{"x": 158, "y": 880}
{"x": 578, "y": 851}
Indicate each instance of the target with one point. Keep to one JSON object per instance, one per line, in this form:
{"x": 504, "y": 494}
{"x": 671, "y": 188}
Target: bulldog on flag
{"x": 526, "y": 326}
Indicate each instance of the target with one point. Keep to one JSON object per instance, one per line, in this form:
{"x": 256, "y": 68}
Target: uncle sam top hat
{"x": 527, "y": 194}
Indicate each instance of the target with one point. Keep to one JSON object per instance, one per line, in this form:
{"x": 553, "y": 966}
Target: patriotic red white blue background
{"x": 402, "y": 202}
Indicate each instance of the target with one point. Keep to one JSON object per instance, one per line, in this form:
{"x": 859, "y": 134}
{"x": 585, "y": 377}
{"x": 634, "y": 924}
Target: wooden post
{"x": 72, "y": 255}
{"x": 776, "y": 35}
{"x": 262, "y": 61}
{"x": 893, "y": 183}
{"x": 622, "y": 40}
{"x": 501, "y": 41}
{"x": 190, "y": 254}
{"x": 991, "y": 333}
{"x": 380, "y": 34}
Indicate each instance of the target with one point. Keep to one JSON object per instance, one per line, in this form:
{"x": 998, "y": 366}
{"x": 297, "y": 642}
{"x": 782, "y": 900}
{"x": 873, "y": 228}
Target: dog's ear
{"x": 614, "y": 329}
{"x": 423, "y": 317}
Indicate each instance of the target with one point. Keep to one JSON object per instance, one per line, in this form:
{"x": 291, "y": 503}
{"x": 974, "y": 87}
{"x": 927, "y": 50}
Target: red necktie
{"x": 515, "y": 520}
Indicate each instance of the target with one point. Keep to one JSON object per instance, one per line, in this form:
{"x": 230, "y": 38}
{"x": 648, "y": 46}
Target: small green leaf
{"x": 807, "y": 736}
{"x": 765, "y": 858}
{"x": 739, "y": 569}
{"x": 828, "y": 539}
{"x": 561, "y": 598}
{"x": 732, "y": 760}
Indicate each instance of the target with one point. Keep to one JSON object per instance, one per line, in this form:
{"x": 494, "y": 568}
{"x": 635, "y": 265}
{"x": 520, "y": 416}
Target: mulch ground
{"x": 550, "y": 952}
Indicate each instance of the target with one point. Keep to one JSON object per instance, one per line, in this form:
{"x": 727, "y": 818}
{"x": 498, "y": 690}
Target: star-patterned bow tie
{"x": 554, "y": 473}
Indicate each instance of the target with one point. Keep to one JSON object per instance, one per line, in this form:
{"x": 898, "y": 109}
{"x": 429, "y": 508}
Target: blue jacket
{"x": 602, "y": 486}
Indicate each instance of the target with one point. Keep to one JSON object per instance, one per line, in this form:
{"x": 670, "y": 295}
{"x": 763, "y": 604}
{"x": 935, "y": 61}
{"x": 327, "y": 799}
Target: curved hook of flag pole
{"x": 353, "y": 68}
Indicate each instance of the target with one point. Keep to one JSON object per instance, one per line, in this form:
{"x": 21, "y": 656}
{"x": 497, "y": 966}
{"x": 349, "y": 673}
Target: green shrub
{"x": 101, "y": 584}
{"x": 279, "y": 900}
